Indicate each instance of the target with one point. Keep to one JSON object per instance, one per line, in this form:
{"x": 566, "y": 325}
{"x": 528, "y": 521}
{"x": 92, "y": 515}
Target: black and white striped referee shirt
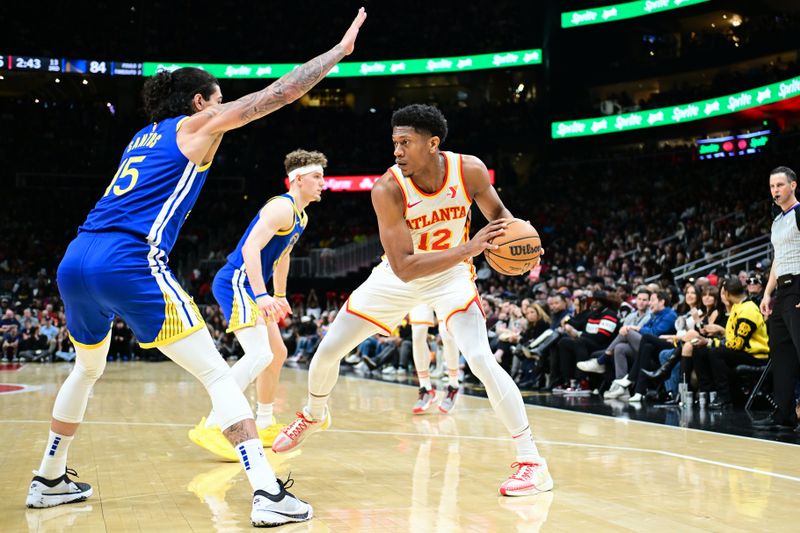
{"x": 786, "y": 242}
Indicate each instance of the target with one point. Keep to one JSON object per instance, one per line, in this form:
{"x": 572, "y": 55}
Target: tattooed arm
{"x": 200, "y": 135}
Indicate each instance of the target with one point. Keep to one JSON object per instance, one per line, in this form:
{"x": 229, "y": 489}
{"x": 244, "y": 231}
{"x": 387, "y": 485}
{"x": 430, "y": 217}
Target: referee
{"x": 784, "y": 324}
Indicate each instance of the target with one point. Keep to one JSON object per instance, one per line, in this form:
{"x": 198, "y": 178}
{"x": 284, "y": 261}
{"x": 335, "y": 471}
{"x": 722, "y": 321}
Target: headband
{"x": 304, "y": 170}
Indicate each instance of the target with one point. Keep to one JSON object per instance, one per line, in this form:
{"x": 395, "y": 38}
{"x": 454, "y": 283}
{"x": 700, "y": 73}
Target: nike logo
{"x": 412, "y": 205}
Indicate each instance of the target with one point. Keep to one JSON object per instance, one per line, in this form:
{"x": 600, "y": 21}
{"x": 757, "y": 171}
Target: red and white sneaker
{"x": 292, "y": 435}
{"x": 449, "y": 400}
{"x": 530, "y": 478}
{"x": 426, "y": 400}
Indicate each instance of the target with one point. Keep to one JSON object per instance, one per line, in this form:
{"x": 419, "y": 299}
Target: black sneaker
{"x": 51, "y": 492}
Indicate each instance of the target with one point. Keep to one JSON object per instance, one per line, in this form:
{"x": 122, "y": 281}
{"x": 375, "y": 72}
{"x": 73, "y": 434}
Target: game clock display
{"x": 45, "y": 64}
{"x": 77, "y": 66}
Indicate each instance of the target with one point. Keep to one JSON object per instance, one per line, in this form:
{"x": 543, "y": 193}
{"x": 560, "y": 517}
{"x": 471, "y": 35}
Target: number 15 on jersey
{"x": 125, "y": 170}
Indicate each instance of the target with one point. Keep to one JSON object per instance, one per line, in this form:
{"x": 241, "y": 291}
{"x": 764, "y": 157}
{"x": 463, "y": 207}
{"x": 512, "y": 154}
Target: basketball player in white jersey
{"x": 422, "y": 204}
{"x": 421, "y": 318}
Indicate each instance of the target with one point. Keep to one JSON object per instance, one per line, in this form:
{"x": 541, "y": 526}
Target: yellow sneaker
{"x": 212, "y": 440}
{"x": 268, "y": 434}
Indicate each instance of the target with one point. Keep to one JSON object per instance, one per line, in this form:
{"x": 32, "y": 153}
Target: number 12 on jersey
{"x": 125, "y": 170}
{"x": 440, "y": 240}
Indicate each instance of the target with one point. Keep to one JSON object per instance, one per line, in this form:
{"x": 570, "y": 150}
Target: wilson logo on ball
{"x": 524, "y": 249}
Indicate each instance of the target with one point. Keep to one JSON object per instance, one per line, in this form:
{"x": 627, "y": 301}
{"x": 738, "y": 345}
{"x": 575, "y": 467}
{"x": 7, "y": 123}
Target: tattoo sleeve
{"x": 288, "y": 87}
{"x": 239, "y": 432}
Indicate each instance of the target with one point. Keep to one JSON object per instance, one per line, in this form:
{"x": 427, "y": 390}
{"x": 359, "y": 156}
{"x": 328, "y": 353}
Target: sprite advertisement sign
{"x": 664, "y": 116}
{"x": 599, "y": 15}
{"x": 396, "y": 67}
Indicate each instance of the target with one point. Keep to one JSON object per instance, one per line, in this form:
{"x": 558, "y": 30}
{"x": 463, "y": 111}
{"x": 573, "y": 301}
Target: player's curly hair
{"x": 423, "y": 118}
{"x": 301, "y": 158}
{"x": 169, "y": 94}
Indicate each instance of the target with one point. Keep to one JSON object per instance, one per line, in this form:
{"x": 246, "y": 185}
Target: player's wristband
{"x": 261, "y": 295}
{"x": 279, "y": 295}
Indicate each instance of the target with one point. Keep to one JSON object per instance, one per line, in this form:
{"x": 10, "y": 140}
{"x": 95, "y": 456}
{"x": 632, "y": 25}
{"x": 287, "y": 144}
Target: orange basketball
{"x": 518, "y": 249}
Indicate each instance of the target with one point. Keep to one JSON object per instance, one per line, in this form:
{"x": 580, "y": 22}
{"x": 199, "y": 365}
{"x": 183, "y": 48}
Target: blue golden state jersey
{"x": 277, "y": 246}
{"x": 153, "y": 189}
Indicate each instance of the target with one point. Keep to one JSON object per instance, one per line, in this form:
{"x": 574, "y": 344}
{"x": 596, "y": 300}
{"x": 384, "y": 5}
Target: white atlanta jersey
{"x": 439, "y": 220}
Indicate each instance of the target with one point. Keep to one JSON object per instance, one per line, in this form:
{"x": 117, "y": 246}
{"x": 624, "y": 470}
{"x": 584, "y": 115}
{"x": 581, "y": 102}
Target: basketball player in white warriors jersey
{"x": 422, "y": 204}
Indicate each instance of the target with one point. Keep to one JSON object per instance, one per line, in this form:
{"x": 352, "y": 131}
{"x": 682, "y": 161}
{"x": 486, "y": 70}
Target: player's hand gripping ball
{"x": 519, "y": 249}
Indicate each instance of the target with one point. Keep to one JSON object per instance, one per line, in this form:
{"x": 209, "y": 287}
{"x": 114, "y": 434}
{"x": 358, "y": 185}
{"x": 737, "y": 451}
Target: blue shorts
{"x": 107, "y": 274}
{"x": 235, "y": 297}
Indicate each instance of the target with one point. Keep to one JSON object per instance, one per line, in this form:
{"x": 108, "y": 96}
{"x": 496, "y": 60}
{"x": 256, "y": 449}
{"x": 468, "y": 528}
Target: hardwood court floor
{"x": 381, "y": 469}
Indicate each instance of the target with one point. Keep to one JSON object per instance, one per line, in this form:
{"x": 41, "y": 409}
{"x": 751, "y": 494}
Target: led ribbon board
{"x": 395, "y": 67}
{"x": 715, "y": 107}
{"x": 628, "y": 10}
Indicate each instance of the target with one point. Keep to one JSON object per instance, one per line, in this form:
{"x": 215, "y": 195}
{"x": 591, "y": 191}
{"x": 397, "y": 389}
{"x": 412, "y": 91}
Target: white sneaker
{"x": 437, "y": 372}
{"x": 615, "y": 391}
{"x": 352, "y": 359}
{"x": 623, "y": 381}
{"x": 361, "y": 367}
{"x": 274, "y": 510}
{"x": 530, "y": 478}
{"x": 636, "y": 398}
{"x": 51, "y": 492}
{"x": 402, "y": 371}
{"x": 591, "y": 365}
{"x": 389, "y": 371}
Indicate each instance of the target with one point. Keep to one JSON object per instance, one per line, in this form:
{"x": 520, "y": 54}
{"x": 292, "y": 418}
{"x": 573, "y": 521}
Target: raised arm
{"x": 200, "y": 132}
{"x": 396, "y": 239}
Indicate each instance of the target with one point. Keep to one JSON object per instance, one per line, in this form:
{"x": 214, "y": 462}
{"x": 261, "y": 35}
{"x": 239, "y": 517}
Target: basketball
{"x": 518, "y": 249}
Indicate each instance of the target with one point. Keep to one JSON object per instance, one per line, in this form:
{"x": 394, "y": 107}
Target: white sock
{"x": 424, "y": 379}
{"x": 54, "y": 461}
{"x": 316, "y": 406}
{"x": 526, "y": 448}
{"x": 259, "y": 473}
{"x": 263, "y": 415}
{"x": 452, "y": 377}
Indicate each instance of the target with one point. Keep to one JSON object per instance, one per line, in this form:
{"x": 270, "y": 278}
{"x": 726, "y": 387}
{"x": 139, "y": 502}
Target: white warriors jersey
{"x": 439, "y": 220}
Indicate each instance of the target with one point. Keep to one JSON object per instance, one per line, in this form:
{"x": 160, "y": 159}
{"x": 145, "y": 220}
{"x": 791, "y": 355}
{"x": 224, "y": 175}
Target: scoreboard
{"x": 79, "y": 66}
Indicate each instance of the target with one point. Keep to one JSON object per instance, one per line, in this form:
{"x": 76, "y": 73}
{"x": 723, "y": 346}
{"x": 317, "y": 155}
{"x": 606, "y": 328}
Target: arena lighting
{"x": 393, "y": 67}
{"x": 714, "y": 107}
{"x": 360, "y": 183}
{"x": 640, "y": 8}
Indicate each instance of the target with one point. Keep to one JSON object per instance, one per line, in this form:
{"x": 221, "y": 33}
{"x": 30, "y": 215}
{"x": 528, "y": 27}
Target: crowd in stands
{"x": 744, "y": 54}
{"x": 725, "y": 82}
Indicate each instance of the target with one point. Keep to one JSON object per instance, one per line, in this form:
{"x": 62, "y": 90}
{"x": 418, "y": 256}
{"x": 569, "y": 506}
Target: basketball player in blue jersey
{"x": 117, "y": 265}
{"x": 422, "y": 204}
{"x": 240, "y": 288}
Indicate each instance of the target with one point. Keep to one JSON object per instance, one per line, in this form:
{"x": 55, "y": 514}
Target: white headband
{"x": 308, "y": 169}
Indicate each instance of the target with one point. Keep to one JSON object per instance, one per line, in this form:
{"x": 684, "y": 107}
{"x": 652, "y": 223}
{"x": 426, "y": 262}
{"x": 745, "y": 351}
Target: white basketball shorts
{"x": 384, "y": 299}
